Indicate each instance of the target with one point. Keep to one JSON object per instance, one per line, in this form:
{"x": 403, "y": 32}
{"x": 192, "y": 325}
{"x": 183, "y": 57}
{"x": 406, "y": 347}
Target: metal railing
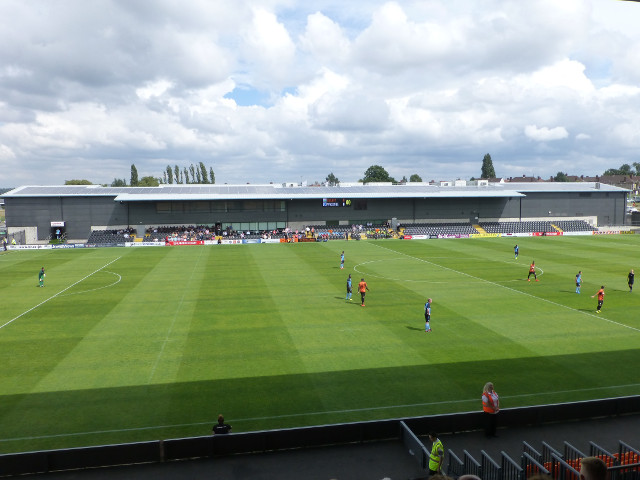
{"x": 510, "y": 468}
{"x": 532, "y": 467}
{"x": 456, "y": 466}
{"x": 491, "y": 470}
{"x": 471, "y": 465}
{"x": 561, "y": 470}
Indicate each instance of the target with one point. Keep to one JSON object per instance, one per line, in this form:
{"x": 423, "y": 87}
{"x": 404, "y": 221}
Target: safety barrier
{"x": 414, "y": 446}
{"x": 491, "y": 470}
{"x": 510, "y": 468}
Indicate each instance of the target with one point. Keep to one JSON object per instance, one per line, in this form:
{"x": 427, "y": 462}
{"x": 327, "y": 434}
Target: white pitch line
{"x": 599, "y": 317}
{"x": 407, "y": 280}
{"x": 57, "y": 294}
{"x": 293, "y": 415}
{"x": 177, "y": 312}
{"x": 99, "y": 288}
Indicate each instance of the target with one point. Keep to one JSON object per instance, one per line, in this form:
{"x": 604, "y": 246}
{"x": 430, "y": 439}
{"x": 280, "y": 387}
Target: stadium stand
{"x": 108, "y": 237}
{"x": 517, "y": 227}
{"x": 574, "y": 226}
{"x": 625, "y": 464}
{"x": 338, "y": 232}
{"x": 439, "y": 229}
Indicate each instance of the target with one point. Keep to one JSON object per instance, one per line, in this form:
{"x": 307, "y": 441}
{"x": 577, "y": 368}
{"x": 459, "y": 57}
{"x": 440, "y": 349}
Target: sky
{"x": 292, "y": 90}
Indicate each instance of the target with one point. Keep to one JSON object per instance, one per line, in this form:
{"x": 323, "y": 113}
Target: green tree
{"x": 148, "y": 182}
{"x": 169, "y": 174}
{"x": 375, "y": 173}
{"x": 212, "y": 177}
{"x": 415, "y": 178}
{"x": 332, "y": 180}
{"x": 192, "y": 170}
{"x": 487, "y": 167}
{"x": 176, "y": 174}
{"x": 134, "y": 176}
{"x": 203, "y": 173}
{"x": 636, "y": 165}
{"x": 119, "y": 182}
{"x": 186, "y": 175}
{"x": 624, "y": 169}
{"x": 560, "y": 177}
{"x": 77, "y": 182}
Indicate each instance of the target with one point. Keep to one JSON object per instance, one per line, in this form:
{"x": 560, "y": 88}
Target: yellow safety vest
{"x": 434, "y": 459}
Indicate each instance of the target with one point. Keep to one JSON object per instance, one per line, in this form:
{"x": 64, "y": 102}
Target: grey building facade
{"x": 78, "y": 210}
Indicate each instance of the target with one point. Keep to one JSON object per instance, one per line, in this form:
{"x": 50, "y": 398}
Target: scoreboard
{"x": 336, "y": 202}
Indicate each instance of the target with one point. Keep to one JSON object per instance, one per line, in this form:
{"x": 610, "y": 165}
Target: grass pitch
{"x": 138, "y": 344}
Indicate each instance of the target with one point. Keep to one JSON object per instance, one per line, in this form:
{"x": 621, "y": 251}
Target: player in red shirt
{"x": 600, "y": 294}
{"x": 363, "y": 289}
{"x": 532, "y": 271}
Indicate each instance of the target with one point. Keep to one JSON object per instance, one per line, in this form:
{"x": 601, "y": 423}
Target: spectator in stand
{"x": 593, "y": 468}
{"x": 221, "y": 427}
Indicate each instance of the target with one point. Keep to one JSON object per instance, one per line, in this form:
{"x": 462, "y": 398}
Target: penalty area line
{"x": 308, "y": 414}
{"x": 58, "y": 294}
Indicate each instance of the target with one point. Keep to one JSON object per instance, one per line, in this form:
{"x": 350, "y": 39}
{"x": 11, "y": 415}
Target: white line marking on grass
{"x": 99, "y": 288}
{"x": 293, "y": 415}
{"x": 175, "y": 317}
{"x": 369, "y": 274}
{"x": 599, "y": 317}
{"x": 58, "y": 294}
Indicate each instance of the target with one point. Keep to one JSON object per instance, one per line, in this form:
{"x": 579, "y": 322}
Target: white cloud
{"x": 545, "y": 134}
{"x": 418, "y": 87}
{"x": 153, "y": 89}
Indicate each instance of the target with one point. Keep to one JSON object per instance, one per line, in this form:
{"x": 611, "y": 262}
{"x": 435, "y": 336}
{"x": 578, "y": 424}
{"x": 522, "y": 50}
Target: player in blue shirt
{"x": 349, "y": 288}
{"x": 342, "y": 260}
{"x": 427, "y": 315}
{"x": 515, "y": 251}
{"x": 578, "y": 281}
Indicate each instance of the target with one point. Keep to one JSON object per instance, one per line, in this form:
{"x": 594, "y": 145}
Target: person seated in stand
{"x": 221, "y": 427}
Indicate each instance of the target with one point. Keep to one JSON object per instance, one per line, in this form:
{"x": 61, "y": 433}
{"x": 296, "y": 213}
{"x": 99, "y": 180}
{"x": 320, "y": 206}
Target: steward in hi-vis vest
{"x": 436, "y": 457}
{"x": 490, "y": 407}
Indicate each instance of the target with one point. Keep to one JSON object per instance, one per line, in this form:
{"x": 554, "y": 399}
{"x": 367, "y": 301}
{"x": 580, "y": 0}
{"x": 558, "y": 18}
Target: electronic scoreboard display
{"x": 336, "y": 202}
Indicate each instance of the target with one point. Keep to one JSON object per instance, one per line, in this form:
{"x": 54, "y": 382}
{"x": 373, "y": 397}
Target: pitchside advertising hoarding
{"x": 282, "y": 240}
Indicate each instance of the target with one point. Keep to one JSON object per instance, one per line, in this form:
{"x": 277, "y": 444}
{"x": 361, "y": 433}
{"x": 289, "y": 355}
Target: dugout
{"x": 84, "y": 208}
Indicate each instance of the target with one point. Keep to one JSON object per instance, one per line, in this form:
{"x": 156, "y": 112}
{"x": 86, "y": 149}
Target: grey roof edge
{"x": 281, "y": 192}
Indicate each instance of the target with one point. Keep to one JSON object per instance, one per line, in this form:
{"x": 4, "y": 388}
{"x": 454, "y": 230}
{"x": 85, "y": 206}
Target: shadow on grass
{"x": 144, "y": 412}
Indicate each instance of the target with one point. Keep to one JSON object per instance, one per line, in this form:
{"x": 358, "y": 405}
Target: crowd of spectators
{"x": 317, "y": 232}
{"x": 205, "y": 232}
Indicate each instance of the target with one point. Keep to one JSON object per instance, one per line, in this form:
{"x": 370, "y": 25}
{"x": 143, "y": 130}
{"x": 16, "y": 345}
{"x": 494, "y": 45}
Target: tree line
{"x": 198, "y": 174}
{"x": 194, "y": 174}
